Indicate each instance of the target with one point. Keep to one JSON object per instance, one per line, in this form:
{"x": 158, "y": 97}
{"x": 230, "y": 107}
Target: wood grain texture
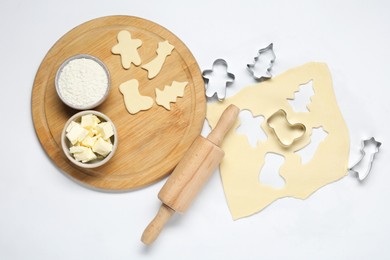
{"x": 151, "y": 142}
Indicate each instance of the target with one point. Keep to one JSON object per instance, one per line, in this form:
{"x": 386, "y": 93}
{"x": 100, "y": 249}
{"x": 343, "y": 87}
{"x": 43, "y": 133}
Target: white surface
{"x": 45, "y": 215}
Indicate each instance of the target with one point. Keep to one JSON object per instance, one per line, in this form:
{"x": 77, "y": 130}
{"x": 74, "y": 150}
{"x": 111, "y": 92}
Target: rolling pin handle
{"x": 224, "y": 124}
{"x": 154, "y": 228}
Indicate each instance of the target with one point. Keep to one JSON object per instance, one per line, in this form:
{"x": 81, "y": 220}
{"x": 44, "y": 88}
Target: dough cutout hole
{"x": 302, "y": 97}
{"x": 269, "y": 173}
{"x": 318, "y": 135}
{"x": 250, "y": 126}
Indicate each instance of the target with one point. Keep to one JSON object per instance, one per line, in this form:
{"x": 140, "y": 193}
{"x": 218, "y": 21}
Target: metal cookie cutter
{"x": 266, "y": 74}
{"x": 220, "y": 90}
{"x": 363, "y": 167}
{"x": 282, "y": 128}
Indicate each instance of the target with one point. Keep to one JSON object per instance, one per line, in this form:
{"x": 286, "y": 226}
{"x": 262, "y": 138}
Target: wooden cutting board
{"x": 151, "y": 142}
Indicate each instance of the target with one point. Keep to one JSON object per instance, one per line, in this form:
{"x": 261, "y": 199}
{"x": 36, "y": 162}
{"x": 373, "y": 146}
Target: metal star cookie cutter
{"x": 268, "y": 74}
{"x": 220, "y": 91}
{"x": 362, "y": 175}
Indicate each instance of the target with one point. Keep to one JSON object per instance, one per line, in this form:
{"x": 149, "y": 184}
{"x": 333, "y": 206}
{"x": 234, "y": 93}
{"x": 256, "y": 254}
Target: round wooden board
{"x": 151, "y": 142}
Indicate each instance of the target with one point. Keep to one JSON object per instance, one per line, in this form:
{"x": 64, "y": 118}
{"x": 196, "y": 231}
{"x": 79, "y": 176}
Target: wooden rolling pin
{"x": 198, "y": 163}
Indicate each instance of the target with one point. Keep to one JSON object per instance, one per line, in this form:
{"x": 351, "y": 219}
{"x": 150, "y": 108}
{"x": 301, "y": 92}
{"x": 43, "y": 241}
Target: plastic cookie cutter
{"x": 364, "y": 165}
{"x": 217, "y": 79}
{"x": 263, "y": 74}
{"x": 285, "y": 132}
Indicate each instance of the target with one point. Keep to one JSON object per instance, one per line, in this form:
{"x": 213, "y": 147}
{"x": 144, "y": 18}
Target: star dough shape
{"x": 163, "y": 51}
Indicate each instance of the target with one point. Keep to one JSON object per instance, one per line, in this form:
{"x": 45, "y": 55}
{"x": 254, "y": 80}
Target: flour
{"x": 82, "y": 82}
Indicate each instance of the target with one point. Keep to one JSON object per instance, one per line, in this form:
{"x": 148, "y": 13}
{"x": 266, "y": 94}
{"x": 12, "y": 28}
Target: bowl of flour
{"x": 82, "y": 82}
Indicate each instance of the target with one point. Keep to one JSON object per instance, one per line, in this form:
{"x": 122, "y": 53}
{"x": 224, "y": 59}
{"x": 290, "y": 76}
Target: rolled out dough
{"x": 240, "y": 168}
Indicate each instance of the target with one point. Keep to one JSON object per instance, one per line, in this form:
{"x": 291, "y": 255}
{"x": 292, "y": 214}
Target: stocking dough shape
{"x": 241, "y": 165}
{"x": 134, "y": 101}
{"x": 127, "y": 49}
{"x": 164, "y": 49}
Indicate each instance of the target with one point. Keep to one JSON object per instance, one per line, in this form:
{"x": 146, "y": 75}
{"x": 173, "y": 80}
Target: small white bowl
{"x": 90, "y": 106}
{"x": 65, "y": 143}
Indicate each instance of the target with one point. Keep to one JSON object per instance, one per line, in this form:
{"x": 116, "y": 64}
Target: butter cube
{"x": 105, "y": 129}
{"x": 76, "y": 133}
{"x": 77, "y": 149}
{"x": 89, "y": 141}
{"x": 92, "y": 132}
{"x": 102, "y": 147}
{"x": 89, "y": 121}
{"x": 72, "y": 124}
{"x": 85, "y": 156}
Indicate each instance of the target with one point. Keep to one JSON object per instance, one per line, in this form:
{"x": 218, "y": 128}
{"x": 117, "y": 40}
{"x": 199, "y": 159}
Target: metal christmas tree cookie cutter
{"x": 261, "y": 52}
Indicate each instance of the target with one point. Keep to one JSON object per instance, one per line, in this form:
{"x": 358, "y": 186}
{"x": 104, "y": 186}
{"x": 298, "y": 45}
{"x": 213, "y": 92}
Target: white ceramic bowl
{"x": 97, "y": 102}
{"x": 65, "y": 143}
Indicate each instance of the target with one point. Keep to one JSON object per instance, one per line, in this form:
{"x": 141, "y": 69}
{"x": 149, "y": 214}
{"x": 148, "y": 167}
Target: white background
{"x": 45, "y": 215}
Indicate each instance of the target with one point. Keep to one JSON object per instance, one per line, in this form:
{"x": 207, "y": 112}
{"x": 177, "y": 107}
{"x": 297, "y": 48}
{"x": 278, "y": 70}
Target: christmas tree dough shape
{"x": 134, "y": 101}
{"x": 164, "y": 49}
{"x": 170, "y": 94}
{"x": 127, "y": 49}
{"x": 240, "y": 168}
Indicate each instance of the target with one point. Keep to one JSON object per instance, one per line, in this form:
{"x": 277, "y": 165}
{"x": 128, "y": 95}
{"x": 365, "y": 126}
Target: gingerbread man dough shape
{"x": 127, "y": 48}
{"x": 164, "y": 49}
{"x": 134, "y": 101}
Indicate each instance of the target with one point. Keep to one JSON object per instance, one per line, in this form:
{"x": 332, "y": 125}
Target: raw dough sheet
{"x": 242, "y": 164}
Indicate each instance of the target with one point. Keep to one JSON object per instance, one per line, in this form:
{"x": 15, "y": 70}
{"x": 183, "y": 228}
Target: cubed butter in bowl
{"x": 89, "y": 139}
